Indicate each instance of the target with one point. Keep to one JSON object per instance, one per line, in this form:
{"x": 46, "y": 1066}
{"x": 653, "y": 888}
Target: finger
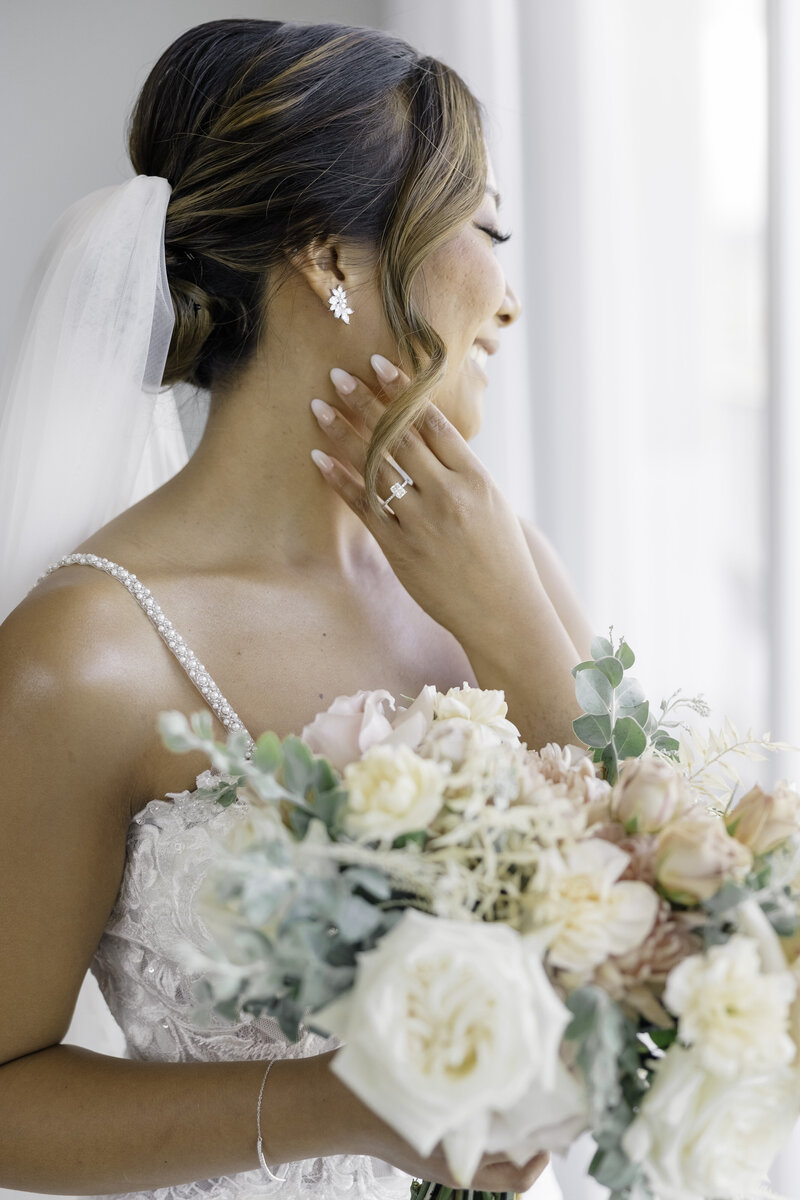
{"x": 439, "y": 434}
{"x": 346, "y": 441}
{"x": 365, "y": 404}
{"x": 352, "y": 491}
{"x": 350, "y": 447}
{"x": 445, "y": 442}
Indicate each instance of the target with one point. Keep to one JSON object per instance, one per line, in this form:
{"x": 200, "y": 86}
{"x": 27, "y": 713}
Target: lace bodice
{"x": 170, "y": 844}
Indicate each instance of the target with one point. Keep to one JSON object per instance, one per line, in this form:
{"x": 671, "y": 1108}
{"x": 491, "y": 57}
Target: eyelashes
{"x": 495, "y": 234}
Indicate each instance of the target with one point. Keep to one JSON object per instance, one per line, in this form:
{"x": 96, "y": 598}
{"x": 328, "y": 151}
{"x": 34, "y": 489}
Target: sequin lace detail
{"x": 171, "y": 844}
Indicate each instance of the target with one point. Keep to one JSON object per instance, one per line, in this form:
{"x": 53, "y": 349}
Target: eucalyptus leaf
{"x": 356, "y": 918}
{"x": 612, "y": 669}
{"x": 267, "y": 754}
{"x": 298, "y": 765}
{"x": 593, "y": 730}
{"x": 626, "y": 656}
{"x": 608, "y": 757}
{"x": 593, "y": 692}
{"x": 640, "y": 713}
{"x": 583, "y": 666}
{"x": 370, "y": 880}
{"x": 175, "y": 732}
{"x": 630, "y": 694}
{"x": 601, "y": 648}
{"x": 630, "y": 740}
{"x": 666, "y": 744}
{"x": 202, "y": 724}
{"x": 324, "y": 778}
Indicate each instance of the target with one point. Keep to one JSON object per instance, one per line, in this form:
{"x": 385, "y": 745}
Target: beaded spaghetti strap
{"x": 166, "y": 630}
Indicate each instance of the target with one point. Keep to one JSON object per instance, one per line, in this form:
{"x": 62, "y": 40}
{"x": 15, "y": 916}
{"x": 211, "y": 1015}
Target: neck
{"x": 251, "y": 491}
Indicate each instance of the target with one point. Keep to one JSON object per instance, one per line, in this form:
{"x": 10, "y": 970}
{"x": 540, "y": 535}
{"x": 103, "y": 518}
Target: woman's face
{"x": 466, "y": 297}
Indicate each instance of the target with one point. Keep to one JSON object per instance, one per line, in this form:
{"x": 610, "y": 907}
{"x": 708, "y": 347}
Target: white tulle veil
{"x": 85, "y": 428}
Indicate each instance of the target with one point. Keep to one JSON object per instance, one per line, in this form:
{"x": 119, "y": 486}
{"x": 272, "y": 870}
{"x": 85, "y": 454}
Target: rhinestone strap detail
{"x": 172, "y": 639}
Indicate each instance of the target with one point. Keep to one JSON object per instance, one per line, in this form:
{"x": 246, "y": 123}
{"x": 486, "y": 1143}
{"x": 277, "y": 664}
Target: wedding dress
{"x": 170, "y": 845}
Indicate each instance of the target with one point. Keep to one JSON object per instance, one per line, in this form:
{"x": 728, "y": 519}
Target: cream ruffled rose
{"x": 695, "y": 856}
{"x": 762, "y": 821}
{"x": 580, "y": 910}
{"x": 392, "y": 790}
{"x": 648, "y": 795}
{"x": 733, "y": 1013}
{"x": 449, "y": 1023}
{"x": 698, "y": 1135}
{"x": 468, "y": 718}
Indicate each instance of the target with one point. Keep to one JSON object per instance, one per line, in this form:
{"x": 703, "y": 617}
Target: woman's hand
{"x": 454, "y": 541}
{"x": 361, "y": 1131}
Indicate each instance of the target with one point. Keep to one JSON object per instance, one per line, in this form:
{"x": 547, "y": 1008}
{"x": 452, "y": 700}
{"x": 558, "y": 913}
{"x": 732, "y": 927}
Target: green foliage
{"x": 617, "y": 722}
{"x": 608, "y": 1056}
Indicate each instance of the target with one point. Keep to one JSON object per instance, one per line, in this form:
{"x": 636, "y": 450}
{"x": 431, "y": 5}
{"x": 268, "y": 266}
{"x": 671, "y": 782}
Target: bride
{"x": 321, "y": 199}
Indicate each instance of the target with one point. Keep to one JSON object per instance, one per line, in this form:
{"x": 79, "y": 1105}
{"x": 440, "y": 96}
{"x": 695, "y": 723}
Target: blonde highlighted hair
{"x": 274, "y": 134}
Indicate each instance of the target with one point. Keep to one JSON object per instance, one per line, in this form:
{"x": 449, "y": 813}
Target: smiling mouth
{"x": 479, "y": 354}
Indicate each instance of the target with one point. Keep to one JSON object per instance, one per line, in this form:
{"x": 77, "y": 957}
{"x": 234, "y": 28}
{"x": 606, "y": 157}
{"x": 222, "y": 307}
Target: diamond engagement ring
{"x": 397, "y": 489}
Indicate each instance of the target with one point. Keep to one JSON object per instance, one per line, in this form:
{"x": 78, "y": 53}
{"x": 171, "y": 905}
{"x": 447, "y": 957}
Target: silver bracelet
{"x": 261, "y": 1159}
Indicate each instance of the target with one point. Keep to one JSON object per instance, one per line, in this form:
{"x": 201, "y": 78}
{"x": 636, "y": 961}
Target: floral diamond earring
{"x": 338, "y": 304}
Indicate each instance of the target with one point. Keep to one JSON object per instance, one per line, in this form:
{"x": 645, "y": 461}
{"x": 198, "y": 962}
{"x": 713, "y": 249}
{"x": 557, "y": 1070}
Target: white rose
{"x": 448, "y": 1023}
{"x": 581, "y": 912}
{"x": 411, "y": 724}
{"x": 735, "y": 1016}
{"x": 698, "y": 1135}
{"x": 392, "y": 790}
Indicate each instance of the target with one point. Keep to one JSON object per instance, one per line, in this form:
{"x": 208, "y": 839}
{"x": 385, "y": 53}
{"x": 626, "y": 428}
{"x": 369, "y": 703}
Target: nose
{"x": 511, "y": 307}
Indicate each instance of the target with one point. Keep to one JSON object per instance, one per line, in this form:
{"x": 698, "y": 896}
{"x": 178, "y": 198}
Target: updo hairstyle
{"x": 273, "y": 134}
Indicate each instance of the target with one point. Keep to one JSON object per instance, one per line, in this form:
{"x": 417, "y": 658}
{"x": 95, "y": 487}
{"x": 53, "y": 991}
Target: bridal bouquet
{"x": 515, "y": 946}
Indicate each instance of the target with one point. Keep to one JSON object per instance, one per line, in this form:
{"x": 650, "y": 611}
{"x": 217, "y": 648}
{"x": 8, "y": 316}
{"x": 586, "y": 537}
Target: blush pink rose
{"x": 347, "y": 729}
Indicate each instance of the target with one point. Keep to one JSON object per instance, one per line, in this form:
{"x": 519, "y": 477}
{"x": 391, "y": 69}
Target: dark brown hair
{"x": 273, "y": 134}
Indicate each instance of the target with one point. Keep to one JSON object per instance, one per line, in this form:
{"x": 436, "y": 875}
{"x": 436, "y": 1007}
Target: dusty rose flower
{"x": 648, "y": 795}
{"x": 695, "y": 857}
{"x": 572, "y": 768}
{"x": 636, "y": 980}
{"x": 640, "y": 848}
{"x": 763, "y": 821}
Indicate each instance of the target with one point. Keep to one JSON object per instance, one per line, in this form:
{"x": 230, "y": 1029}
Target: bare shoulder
{"x": 68, "y": 744}
{"x": 71, "y": 658}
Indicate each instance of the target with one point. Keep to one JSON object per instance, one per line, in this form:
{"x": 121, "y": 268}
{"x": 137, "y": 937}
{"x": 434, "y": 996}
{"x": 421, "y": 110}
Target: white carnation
{"x": 580, "y": 910}
{"x": 699, "y": 1135}
{"x": 735, "y": 1015}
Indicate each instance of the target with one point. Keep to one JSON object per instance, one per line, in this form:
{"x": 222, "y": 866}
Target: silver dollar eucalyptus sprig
{"x": 617, "y": 721}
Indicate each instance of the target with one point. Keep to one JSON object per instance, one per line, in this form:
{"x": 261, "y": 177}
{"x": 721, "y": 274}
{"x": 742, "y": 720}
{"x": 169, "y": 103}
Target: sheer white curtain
{"x": 648, "y": 423}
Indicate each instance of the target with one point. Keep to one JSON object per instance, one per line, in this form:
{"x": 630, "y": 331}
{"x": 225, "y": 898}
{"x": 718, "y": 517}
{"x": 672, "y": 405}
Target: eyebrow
{"x": 494, "y": 194}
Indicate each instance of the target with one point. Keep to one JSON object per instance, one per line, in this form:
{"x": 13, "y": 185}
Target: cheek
{"x": 463, "y": 285}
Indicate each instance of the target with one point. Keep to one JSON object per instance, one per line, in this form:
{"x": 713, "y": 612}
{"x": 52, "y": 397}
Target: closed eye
{"x": 494, "y": 234}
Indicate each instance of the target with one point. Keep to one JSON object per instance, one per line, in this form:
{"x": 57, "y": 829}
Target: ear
{"x": 320, "y": 263}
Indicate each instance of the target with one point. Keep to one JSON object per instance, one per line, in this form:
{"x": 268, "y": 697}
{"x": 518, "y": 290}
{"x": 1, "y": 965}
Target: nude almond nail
{"x": 385, "y": 370}
{"x": 342, "y": 381}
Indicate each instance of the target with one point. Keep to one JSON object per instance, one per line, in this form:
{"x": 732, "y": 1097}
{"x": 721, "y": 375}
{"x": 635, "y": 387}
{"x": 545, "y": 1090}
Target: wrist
{"x": 352, "y": 1125}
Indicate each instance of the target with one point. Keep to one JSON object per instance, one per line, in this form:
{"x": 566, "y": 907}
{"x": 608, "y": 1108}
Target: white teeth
{"x": 479, "y": 354}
